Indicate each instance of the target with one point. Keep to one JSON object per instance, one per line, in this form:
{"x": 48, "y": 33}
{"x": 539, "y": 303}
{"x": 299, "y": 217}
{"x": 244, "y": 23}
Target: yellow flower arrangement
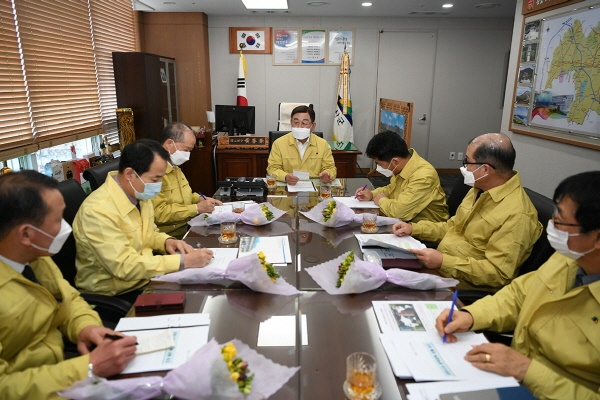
{"x": 238, "y": 369}
{"x": 343, "y": 268}
{"x": 271, "y": 271}
{"x": 329, "y": 210}
{"x": 268, "y": 214}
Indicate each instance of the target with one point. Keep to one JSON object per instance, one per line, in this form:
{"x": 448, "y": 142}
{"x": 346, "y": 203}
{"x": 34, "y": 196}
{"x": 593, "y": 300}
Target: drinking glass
{"x": 325, "y": 191}
{"x": 369, "y": 223}
{"x": 361, "y": 377}
{"x": 228, "y": 233}
{"x": 271, "y": 182}
{"x": 238, "y": 207}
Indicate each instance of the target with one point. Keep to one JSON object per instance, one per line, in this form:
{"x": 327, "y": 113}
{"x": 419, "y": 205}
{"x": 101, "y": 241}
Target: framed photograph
{"x": 251, "y": 40}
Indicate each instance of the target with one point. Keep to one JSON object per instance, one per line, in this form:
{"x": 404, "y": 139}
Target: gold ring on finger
{"x": 488, "y": 357}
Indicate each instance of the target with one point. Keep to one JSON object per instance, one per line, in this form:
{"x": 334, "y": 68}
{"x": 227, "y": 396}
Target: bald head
{"x": 177, "y": 132}
{"x": 494, "y": 149}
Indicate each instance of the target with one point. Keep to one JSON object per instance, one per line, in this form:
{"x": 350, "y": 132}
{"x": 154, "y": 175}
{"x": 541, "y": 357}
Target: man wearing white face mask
{"x": 115, "y": 231}
{"x": 38, "y": 305}
{"x": 414, "y": 192}
{"x": 176, "y": 204}
{"x": 495, "y": 226}
{"x": 301, "y": 150}
{"x": 554, "y": 311}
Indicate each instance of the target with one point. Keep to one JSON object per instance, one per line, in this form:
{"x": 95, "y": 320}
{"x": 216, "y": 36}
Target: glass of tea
{"x": 325, "y": 191}
{"x": 361, "y": 377}
{"x": 238, "y": 207}
{"x": 228, "y": 233}
{"x": 271, "y": 182}
{"x": 369, "y": 223}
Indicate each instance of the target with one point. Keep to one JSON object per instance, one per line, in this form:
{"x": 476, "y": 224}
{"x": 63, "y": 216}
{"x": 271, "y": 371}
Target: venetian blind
{"x": 112, "y": 30}
{"x": 59, "y": 66}
{"x": 15, "y": 127}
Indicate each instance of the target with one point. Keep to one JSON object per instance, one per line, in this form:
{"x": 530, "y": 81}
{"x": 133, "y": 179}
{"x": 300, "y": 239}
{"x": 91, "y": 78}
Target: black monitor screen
{"x": 236, "y": 120}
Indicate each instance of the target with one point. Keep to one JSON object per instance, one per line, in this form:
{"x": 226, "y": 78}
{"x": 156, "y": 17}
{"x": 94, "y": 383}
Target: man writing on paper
{"x": 38, "y": 306}
{"x": 554, "y": 311}
{"x": 495, "y": 225}
{"x": 301, "y": 150}
{"x": 414, "y": 192}
{"x": 115, "y": 231}
{"x": 175, "y": 205}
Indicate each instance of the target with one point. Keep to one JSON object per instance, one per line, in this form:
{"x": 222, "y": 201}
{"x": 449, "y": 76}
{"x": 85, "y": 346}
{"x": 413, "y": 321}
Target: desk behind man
{"x": 38, "y": 306}
{"x": 301, "y": 150}
{"x": 115, "y": 231}
{"x": 176, "y": 204}
{"x": 495, "y": 226}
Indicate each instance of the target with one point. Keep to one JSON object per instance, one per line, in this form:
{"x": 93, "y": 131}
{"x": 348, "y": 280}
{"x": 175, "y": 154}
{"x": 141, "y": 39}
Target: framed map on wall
{"x": 557, "y": 90}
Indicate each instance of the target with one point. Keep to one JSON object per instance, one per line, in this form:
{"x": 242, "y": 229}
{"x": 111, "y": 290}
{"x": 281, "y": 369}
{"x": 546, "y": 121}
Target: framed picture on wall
{"x": 250, "y": 40}
{"x": 396, "y": 116}
{"x": 340, "y": 39}
{"x": 285, "y": 46}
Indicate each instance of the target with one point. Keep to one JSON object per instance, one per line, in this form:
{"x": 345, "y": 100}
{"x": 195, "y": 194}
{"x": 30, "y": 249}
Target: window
{"x": 56, "y": 84}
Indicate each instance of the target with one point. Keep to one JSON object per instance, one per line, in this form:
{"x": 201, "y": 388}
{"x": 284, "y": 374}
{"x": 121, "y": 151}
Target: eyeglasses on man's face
{"x": 556, "y": 222}
{"x": 305, "y": 123}
{"x": 465, "y": 163}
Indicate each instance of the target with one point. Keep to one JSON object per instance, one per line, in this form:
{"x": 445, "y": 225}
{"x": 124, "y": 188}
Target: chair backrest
{"x": 65, "y": 258}
{"x": 541, "y": 249}
{"x": 97, "y": 175}
{"x": 285, "y": 111}
{"x": 274, "y": 135}
{"x": 458, "y": 193}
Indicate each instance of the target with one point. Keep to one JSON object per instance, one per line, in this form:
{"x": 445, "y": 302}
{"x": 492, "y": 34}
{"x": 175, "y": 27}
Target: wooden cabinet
{"x": 199, "y": 169}
{"x": 147, "y": 84}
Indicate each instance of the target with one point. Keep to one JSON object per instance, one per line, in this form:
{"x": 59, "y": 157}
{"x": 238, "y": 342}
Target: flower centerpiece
{"x": 271, "y": 271}
{"x": 343, "y": 268}
{"x": 268, "y": 214}
{"x": 238, "y": 369}
{"x": 329, "y": 210}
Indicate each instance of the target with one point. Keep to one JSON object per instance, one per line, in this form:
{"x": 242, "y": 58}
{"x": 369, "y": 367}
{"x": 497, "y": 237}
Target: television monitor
{"x": 235, "y": 120}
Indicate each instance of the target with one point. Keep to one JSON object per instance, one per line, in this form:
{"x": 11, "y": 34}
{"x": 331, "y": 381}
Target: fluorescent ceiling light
{"x": 367, "y": 4}
{"x": 448, "y": 5}
{"x": 265, "y": 4}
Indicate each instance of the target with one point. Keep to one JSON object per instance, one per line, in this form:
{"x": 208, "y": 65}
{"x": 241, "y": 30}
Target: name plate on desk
{"x": 244, "y": 142}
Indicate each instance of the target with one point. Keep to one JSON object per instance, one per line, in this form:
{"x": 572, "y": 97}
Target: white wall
{"x": 542, "y": 163}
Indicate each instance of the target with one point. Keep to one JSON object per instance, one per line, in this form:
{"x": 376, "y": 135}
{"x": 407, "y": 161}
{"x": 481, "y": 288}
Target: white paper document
{"x": 301, "y": 186}
{"x": 389, "y": 241}
{"x": 275, "y": 248}
{"x": 186, "y": 342}
{"x": 163, "y": 321}
{"x": 302, "y": 175}
{"x": 280, "y": 330}
{"x": 158, "y": 339}
{"x": 433, "y": 390}
{"x": 353, "y": 202}
{"x": 336, "y": 182}
{"x": 221, "y": 258}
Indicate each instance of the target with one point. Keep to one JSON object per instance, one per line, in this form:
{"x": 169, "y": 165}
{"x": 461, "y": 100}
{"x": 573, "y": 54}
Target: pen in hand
{"x": 201, "y": 195}
{"x": 454, "y": 298}
{"x": 115, "y": 337}
{"x": 361, "y": 189}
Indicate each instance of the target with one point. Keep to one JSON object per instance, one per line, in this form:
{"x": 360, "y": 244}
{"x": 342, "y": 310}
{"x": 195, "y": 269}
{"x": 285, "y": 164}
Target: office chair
{"x": 285, "y": 111}
{"x": 540, "y": 252}
{"x": 97, "y": 174}
{"x": 110, "y": 309}
{"x": 458, "y": 193}
{"x": 274, "y": 135}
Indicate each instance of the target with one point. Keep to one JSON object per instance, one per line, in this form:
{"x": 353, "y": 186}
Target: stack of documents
{"x": 165, "y": 341}
{"x": 303, "y": 185}
{"x": 415, "y": 349}
{"x": 392, "y": 250}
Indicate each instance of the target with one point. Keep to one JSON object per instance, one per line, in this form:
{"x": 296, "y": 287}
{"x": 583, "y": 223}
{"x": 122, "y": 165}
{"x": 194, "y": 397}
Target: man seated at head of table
{"x": 414, "y": 192}
{"x": 301, "y": 150}
{"x": 115, "y": 231}
{"x": 38, "y": 305}
{"x": 554, "y": 311}
{"x": 175, "y": 205}
{"x": 495, "y": 226}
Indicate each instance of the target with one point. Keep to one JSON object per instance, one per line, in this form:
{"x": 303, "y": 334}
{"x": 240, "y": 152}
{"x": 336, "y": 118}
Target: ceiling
{"x": 341, "y": 8}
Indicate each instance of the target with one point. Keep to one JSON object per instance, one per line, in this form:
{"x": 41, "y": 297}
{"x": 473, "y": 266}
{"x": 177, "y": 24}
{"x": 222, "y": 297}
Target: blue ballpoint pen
{"x": 454, "y": 298}
{"x": 201, "y": 195}
{"x": 361, "y": 189}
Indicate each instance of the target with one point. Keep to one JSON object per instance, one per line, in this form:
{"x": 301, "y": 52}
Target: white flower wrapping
{"x": 254, "y": 214}
{"x": 207, "y": 219}
{"x": 247, "y": 270}
{"x": 205, "y": 376}
{"x": 342, "y": 215}
{"x": 363, "y": 276}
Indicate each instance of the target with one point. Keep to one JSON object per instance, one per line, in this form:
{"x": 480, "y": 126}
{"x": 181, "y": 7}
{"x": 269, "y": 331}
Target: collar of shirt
{"x": 13, "y": 264}
{"x": 133, "y": 200}
{"x": 302, "y": 146}
{"x": 581, "y": 278}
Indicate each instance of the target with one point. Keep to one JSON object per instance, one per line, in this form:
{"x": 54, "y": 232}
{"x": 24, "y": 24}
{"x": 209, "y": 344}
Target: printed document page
{"x": 163, "y": 321}
{"x": 276, "y": 248}
{"x": 352, "y": 202}
{"x": 433, "y": 390}
{"x": 390, "y": 241}
{"x": 301, "y": 186}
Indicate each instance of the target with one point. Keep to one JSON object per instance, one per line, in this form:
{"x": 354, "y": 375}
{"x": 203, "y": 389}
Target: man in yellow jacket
{"x": 176, "y": 204}
{"x": 301, "y": 150}
{"x": 115, "y": 232}
{"x": 554, "y": 311}
{"x": 38, "y": 306}
{"x": 414, "y": 192}
{"x": 494, "y": 228}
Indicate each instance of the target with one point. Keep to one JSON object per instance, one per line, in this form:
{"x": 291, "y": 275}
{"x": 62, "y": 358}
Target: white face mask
{"x": 559, "y": 240}
{"x": 470, "y": 176}
{"x": 151, "y": 189}
{"x": 57, "y": 241}
{"x": 300, "y": 133}
{"x": 179, "y": 157}
{"x": 385, "y": 171}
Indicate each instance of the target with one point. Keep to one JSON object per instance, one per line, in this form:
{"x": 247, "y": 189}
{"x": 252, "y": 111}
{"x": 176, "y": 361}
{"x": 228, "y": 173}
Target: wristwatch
{"x": 91, "y": 373}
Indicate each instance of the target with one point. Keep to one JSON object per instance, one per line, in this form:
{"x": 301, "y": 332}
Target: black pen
{"x": 115, "y": 337}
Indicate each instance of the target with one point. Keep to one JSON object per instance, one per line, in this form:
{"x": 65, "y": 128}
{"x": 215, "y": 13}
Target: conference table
{"x": 334, "y": 326}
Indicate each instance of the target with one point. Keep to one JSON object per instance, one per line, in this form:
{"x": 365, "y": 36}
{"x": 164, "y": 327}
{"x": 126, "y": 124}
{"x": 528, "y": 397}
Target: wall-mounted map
{"x": 567, "y": 80}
